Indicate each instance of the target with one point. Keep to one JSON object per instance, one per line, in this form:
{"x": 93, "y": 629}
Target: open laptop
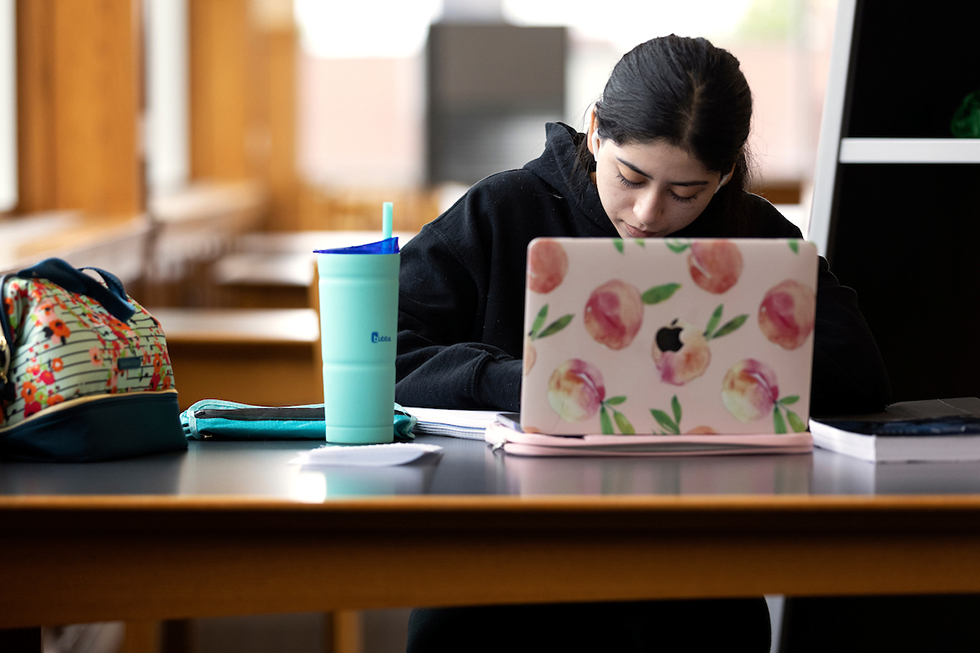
{"x": 668, "y": 336}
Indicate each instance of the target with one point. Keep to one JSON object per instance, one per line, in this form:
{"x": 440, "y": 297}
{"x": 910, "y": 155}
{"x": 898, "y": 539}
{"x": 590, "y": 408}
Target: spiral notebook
{"x": 668, "y": 337}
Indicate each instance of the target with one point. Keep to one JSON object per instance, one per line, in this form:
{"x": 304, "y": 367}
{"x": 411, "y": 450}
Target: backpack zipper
{"x": 5, "y": 352}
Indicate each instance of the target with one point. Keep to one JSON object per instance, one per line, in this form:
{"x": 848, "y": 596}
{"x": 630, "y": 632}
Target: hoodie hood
{"x": 559, "y": 167}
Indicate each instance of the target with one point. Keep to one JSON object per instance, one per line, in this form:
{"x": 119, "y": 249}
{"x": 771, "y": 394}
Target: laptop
{"x": 668, "y": 336}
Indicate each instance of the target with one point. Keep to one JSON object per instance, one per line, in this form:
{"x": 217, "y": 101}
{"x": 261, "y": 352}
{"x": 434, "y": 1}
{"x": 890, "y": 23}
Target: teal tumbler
{"x": 358, "y": 291}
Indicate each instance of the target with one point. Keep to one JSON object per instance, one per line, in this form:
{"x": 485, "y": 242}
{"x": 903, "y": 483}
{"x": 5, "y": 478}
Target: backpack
{"x": 84, "y": 370}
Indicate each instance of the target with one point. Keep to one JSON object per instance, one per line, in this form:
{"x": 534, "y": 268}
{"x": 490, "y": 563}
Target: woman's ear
{"x": 593, "y": 135}
{"x": 724, "y": 180}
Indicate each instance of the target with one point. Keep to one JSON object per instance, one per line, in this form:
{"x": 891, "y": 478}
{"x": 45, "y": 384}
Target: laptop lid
{"x": 668, "y": 336}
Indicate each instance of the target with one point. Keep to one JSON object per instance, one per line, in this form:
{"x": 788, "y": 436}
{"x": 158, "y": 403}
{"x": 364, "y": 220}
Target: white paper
{"x": 366, "y": 455}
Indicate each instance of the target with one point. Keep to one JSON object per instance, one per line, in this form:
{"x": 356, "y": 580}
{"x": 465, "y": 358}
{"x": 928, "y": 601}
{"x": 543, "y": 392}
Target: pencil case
{"x": 216, "y": 419}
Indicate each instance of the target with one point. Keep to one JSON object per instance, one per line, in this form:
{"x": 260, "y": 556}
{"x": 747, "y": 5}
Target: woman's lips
{"x": 637, "y": 233}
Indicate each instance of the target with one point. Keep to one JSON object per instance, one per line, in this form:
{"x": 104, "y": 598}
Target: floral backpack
{"x": 84, "y": 370}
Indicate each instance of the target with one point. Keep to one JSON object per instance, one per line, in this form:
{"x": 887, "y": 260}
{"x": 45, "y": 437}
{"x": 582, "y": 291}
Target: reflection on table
{"x": 265, "y": 469}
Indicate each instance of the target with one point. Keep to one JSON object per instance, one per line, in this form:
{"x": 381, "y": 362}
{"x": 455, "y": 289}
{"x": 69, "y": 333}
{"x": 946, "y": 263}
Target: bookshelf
{"x": 896, "y": 206}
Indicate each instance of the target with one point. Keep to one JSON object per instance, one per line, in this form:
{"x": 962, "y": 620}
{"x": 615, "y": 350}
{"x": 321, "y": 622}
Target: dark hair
{"x": 688, "y": 93}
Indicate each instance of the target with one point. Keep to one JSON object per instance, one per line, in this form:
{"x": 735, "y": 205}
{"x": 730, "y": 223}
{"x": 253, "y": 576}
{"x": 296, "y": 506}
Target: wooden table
{"x": 234, "y": 528}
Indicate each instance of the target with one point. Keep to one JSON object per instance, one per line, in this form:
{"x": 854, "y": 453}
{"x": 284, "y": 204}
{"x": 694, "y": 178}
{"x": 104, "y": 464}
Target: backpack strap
{"x": 112, "y": 296}
{"x": 6, "y": 342}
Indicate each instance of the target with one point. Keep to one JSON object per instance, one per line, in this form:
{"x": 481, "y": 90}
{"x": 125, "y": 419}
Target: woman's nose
{"x": 647, "y": 207}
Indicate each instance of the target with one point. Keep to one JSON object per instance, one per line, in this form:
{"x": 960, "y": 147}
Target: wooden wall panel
{"x": 221, "y": 59}
{"x": 80, "y": 105}
{"x": 121, "y": 58}
{"x": 35, "y": 106}
{"x": 280, "y": 72}
{"x": 243, "y": 98}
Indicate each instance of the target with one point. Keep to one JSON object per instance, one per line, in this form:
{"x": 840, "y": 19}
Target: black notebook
{"x": 907, "y": 431}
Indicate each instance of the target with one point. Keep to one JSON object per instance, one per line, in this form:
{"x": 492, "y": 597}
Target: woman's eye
{"x": 681, "y": 198}
{"x": 627, "y": 183}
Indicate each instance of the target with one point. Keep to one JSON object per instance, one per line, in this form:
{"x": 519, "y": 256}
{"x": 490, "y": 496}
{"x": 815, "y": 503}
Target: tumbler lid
{"x": 386, "y": 246}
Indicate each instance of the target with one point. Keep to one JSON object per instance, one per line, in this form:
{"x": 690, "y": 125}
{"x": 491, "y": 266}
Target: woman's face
{"x": 651, "y": 190}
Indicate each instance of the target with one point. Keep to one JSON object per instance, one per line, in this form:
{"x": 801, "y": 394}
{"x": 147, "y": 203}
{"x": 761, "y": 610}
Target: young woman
{"x": 664, "y": 155}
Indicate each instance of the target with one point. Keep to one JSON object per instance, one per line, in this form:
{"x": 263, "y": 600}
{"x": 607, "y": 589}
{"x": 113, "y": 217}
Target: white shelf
{"x": 909, "y": 150}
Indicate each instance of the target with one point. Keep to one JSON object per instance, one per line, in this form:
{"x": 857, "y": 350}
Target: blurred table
{"x": 259, "y": 356}
{"x": 235, "y": 528}
{"x": 115, "y": 243}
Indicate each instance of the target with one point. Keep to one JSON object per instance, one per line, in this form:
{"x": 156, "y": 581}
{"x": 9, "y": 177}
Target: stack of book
{"x": 910, "y": 431}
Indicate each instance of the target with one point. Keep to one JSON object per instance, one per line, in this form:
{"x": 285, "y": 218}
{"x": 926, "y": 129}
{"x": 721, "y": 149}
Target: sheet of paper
{"x": 367, "y": 455}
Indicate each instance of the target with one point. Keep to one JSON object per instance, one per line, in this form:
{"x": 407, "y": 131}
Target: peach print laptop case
{"x": 668, "y": 336}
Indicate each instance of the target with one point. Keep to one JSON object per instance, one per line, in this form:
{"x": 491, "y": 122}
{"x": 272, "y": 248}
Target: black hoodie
{"x": 461, "y": 306}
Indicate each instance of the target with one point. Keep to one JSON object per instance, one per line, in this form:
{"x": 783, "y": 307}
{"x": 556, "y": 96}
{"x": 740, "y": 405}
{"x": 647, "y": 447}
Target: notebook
{"x": 668, "y": 337}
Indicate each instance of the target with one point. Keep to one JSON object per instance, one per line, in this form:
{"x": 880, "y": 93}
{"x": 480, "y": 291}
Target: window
{"x": 8, "y": 106}
{"x": 166, "y": 127}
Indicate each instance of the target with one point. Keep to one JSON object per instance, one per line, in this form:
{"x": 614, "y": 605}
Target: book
{"x": 467, "y": 424}
{"x": 932, "y": 430}
{"x": 505, "y": 434}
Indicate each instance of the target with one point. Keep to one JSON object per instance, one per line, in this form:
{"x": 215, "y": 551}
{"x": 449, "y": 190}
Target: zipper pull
{"x": 5, "y": 356}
